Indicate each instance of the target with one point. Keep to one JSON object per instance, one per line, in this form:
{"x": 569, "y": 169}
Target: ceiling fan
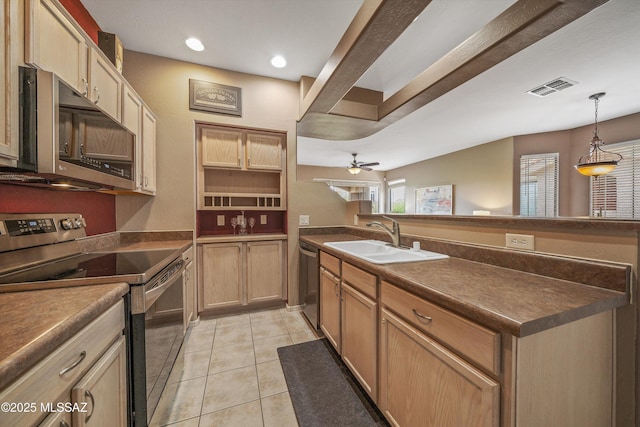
{"x": 355, "y": 167}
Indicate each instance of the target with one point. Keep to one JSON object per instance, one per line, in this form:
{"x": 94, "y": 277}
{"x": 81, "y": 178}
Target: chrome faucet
{"x": 394, "y": 232}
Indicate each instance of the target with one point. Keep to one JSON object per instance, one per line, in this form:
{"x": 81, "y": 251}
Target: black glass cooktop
{"x": 132, "y": 267}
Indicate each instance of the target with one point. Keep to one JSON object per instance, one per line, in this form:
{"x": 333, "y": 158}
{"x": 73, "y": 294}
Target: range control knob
{"x": 77, "y": 223}
{"x": 66, "y": 224}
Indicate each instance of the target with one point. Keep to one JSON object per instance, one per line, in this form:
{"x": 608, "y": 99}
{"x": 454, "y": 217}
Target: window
{"x": 616, "y": 195}
{"x": 396, "y": 196}
{"x": 539, "y": 185}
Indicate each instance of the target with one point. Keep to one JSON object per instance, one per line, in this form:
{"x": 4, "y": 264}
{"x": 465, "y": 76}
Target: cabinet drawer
{"x": 330, "y": 262}
{"x": 359, "y": 279}
{"x": 475, "y": 342}
{"x": 57, "y": 373}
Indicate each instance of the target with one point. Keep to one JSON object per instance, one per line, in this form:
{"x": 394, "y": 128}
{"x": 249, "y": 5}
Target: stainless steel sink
{"x": 378, "y": 252}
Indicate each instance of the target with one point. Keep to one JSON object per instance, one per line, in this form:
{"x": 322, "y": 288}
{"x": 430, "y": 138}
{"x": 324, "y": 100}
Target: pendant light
{"x": 598, "y": 161}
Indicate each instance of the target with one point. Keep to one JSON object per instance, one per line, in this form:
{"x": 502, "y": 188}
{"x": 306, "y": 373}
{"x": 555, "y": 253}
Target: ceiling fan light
{"x": 354, "y": 170}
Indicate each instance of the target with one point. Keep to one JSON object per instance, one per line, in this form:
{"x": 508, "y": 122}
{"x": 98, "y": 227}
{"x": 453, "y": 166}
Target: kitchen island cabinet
{"x": 488, "y": 346}
{"x": 240, "y": 271}
{"x": 348, "y": 317}
{"x": 424, "y": 384}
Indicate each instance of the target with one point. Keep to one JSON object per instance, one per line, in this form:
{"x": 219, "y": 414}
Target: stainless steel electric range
{"x": 42, "y": 251}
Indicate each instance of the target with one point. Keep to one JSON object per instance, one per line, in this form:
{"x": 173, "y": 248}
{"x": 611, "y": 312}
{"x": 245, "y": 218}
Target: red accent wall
{"x": 83, "y": 17}
{"x": 98, "y": 209}
{"x": 207, "y": 222}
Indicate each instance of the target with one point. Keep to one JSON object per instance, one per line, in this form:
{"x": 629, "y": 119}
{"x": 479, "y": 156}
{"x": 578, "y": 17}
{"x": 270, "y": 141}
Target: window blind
{"x": 616, "y": 195}
{"x": 539, "y": 184}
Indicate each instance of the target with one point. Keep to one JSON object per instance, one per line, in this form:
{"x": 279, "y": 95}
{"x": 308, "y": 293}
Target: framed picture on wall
{"x": 436, "y": 200}
{"x": 215, "y": 98}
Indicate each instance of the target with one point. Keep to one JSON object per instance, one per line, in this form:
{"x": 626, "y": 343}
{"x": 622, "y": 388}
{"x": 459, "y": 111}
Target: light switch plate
{"x": 263, "y": 219}
{"x": 520, "y": 241}
{"x": 220, "y": 220}
{"x": 303, "y": 220}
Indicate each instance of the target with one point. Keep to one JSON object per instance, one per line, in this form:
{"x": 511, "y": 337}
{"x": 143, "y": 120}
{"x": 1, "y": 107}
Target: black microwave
{"x": 67, "y": 141}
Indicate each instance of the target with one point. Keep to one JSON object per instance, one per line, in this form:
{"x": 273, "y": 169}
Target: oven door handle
{"x": 143, "y": 297}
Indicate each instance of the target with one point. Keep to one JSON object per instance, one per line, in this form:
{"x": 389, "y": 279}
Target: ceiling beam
{"x": 521, "y": 25}
{"x": 375, "y": 27}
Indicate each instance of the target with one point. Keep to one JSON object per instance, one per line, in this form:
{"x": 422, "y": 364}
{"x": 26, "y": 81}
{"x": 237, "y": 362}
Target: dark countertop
{"x": 28, "y": 332}
{"x": 507, "y": 300}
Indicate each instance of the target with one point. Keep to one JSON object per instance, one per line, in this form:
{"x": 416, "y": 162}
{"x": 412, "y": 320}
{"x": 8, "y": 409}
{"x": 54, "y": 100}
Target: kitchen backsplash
{"x": 207, "y": 222}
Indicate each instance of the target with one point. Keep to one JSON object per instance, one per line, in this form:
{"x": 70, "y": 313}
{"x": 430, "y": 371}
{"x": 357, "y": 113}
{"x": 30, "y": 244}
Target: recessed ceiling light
{"x": 194, "y": 44}
{"x": 278, "y": 61}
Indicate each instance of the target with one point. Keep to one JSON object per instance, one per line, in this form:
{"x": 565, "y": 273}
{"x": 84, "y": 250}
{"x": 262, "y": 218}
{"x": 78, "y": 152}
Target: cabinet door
{"x": 103, "y": 390}
{"x": 53, "y": 44}
{"x": 221, "y": 148}
{"x": 264, "y": 271}
{"x": 423, "y": 384}
{"x": 359, "y": 343}
{"x": 148, "y": 151}
{"x": 9, "y": 79}
{"x": 330, "y": 307}
{"x": 220, "y": 283}
{"x": 264, "y": 151}
{"x": 105, "y": 84}
{"x": 132, "y": 120}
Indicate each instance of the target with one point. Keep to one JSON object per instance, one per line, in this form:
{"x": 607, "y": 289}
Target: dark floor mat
{"x": 322, "y": 390}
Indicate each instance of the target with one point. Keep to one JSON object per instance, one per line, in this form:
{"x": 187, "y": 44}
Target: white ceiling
{"x": 601, "y": 51}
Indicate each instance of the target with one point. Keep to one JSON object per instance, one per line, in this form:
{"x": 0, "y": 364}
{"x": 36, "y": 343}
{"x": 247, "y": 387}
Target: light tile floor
{"x": 230, "y": 374}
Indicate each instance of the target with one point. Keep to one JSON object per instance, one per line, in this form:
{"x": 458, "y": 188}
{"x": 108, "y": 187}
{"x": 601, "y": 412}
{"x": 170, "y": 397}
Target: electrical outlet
{"x": 303, "y": 220}
{"x": 520, "y": 241}
{"x": 263, "y": 219}
{"x": 220, "y": 220}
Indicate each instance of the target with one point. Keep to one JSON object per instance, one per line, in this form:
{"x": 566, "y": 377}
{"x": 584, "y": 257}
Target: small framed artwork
{"x": 215, "y": 98}
{"x": 436, "y": 200}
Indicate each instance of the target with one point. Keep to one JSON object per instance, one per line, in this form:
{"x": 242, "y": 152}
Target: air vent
{"x": 553, "y": 86}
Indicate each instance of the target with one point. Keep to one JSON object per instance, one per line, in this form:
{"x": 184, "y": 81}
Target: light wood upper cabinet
{"x": 140, "y": 120}
{"x": 240, "y": 169}
{"x": 423, "y": 384}
{"x": 148, "y": 151}
{"x": 54, "y": 44}
{"x": 264, "y": 151}
{"x": 105, "y": 84}
{"x": 9, "y": 76}
{"x": 103, "y": 390}
{"x": 221, "y": 148}
{"x": 264, "y": 270}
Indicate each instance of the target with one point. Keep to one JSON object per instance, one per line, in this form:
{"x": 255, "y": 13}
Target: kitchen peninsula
{"x": 512, "y": 306}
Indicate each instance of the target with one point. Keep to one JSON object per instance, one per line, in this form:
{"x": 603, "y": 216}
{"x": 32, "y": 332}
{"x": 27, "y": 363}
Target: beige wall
{"x": 164, "y": 85}
{"x": 482, "y": 178}
{"x": 571, "y": 144}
